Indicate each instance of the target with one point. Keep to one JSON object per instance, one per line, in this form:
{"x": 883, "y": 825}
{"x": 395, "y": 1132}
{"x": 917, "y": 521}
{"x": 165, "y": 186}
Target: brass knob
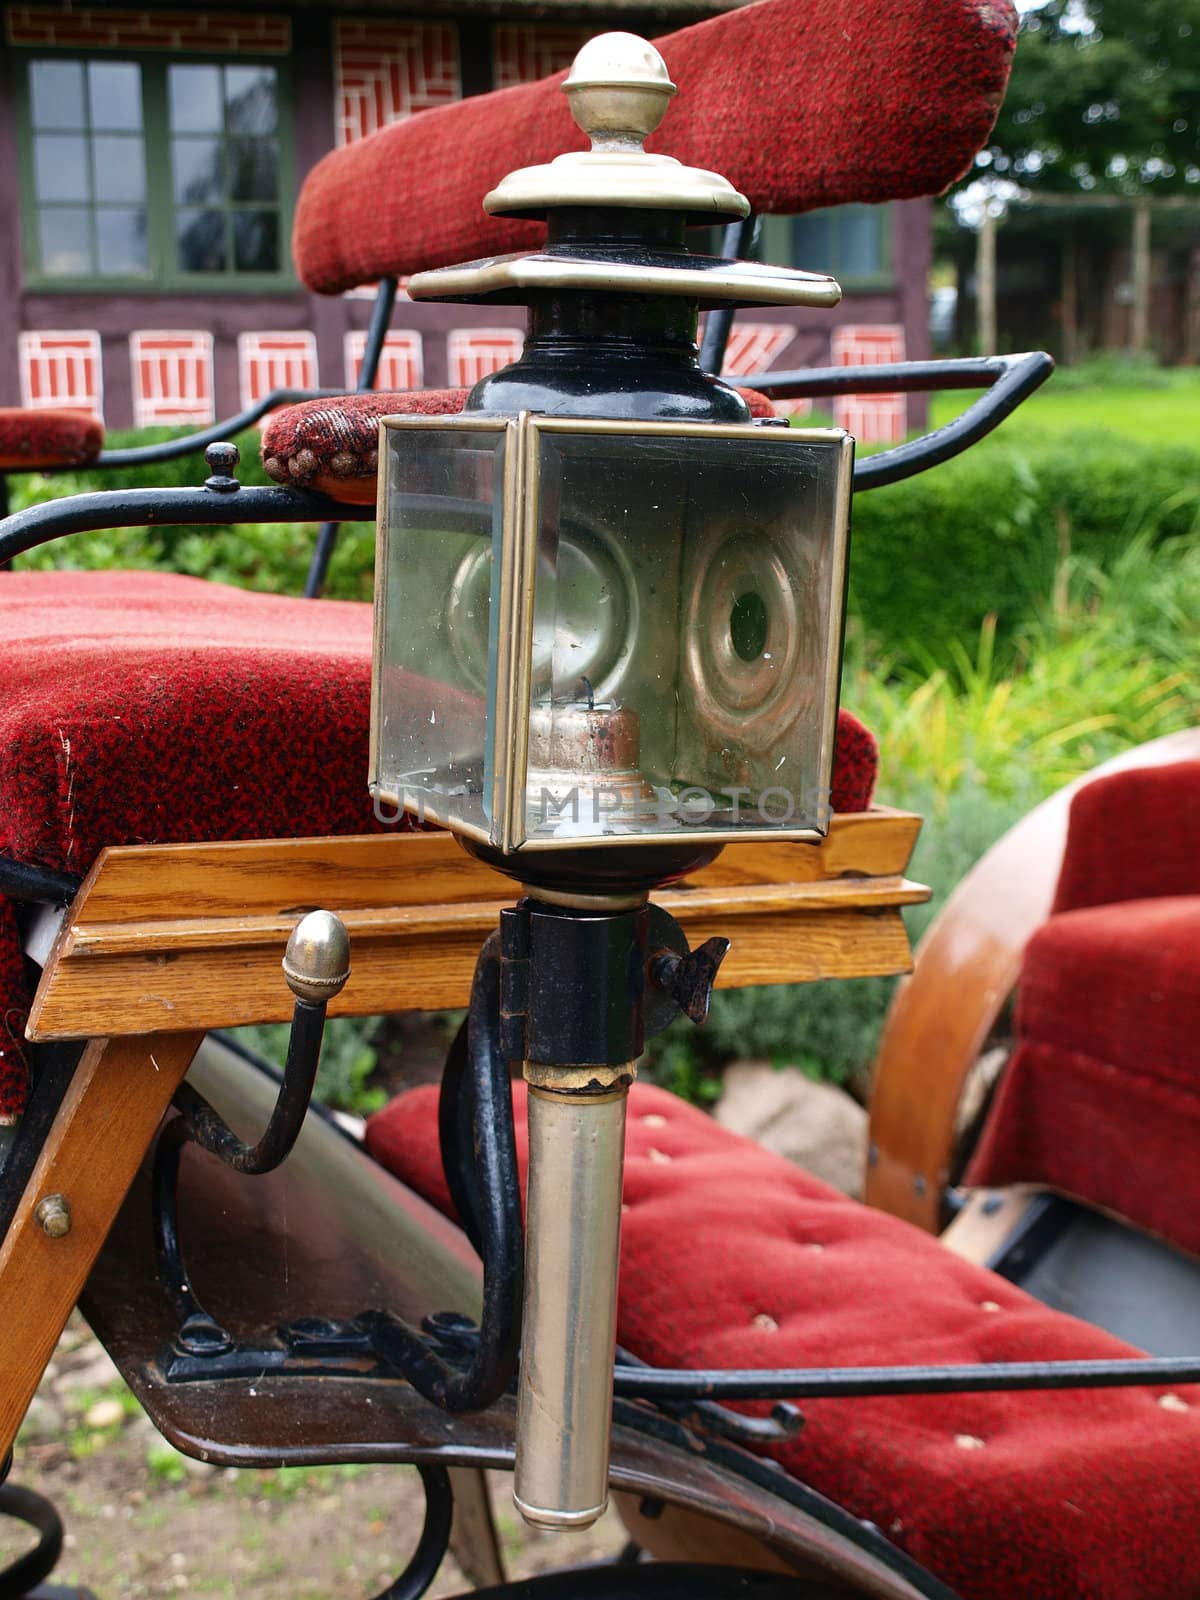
{"x": 619, "y": 89}
{"x": 317, "y": 961}
{"x": 53, "y": 1215}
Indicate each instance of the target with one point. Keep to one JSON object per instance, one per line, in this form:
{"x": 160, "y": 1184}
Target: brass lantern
{"x": 608, "y": 611}
{"x": 601, "y": 630}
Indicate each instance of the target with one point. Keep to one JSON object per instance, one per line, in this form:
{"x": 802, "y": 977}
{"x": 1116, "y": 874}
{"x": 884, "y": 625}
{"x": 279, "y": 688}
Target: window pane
{"x": 60, "y": 166}
{"x": 56, "y": 94}
{"x": 65, "y": 240}
{"x": 253, "y": 169}
{"x": 121, "y": 240}
{"x": 118, "y": 167}
{"x": 251, "y": 99}
{"x": 199, "y": 178}
{"x": 859, "y": 252}
{"x": 116, "y": 95}
{"x": 195, "y": 99}
{"x": 812, "y": 244}
{"x": 256, "y": 241}
{"x": 200, "y": 241}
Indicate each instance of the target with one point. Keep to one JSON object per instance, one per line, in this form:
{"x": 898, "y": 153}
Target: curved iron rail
{"x": 495, "y": 1209}
{"x": 223, "y": 501}
{"x": 224, "y": 506}
{"x": 1009, "y": 380}
{"x": 836, "y": 1383}
{"x": 27, "y": 1571}
{"x": 431, "y": 1549}
{"x": 156, "y": 508}
{"x": 144, "y": 455}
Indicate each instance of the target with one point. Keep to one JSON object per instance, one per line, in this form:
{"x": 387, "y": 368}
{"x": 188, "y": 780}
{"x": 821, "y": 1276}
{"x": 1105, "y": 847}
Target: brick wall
{"x": 218, "y": 31}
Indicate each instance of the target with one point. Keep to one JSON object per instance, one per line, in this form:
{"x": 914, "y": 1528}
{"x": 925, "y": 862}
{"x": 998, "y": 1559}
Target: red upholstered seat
{"x": 1103, "y": 1090}
{"x": 1102, "y": 1096}
{"x": 799, "y": 103}
{"x": 732, "y": 1257}
{"x": 33, "y": 439}
{"x": 333, "y": 445}
{"x": 147, "y": 707}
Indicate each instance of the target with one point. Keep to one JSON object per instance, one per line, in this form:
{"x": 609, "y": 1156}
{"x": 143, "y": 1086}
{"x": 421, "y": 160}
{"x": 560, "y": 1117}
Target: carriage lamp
{"x": 599, "y": 630}
{"x": 608, "y": 637}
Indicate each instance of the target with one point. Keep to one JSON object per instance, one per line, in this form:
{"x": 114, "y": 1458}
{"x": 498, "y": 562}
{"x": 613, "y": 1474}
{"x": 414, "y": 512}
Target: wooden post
{"x": 1139, "y": 330}
{"x": 118, "y": 1096}
{"x": 1070, "y": 300}
{"x": 985, "y": 283}
{"x": 1191, "y": 309}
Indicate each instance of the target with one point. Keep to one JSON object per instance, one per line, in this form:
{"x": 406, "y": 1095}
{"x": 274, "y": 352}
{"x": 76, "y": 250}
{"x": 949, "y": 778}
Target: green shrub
{"x": 985, "y": 534}
{"x": 1114, "y": 660}
{"x": 272, "y": 557}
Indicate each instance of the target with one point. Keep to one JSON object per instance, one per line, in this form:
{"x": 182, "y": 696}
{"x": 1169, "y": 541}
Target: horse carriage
{"x": 609, "y": 592}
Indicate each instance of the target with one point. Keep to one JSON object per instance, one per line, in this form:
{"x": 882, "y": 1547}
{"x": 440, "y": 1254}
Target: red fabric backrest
{"x": 799, "y": 103}
{"x": 1133, "y": 836}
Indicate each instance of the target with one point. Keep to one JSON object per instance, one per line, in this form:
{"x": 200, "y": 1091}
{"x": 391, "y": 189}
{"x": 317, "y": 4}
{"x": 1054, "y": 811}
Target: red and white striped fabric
{"x": 269, "y": 361}
{"x": 472, "y": 353}
{"x": 172, "y": 377}
{"x": 401, "y": 366}
{"x": 871, "y": 418}
{"x": 61, "y": 371}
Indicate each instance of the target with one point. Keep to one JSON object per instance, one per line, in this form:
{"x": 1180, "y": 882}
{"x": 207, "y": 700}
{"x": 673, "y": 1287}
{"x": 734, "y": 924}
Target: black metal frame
{"x": 480, "y": 1150}
{"x": 192, "y": 443}
{"x": 224, "y": 501}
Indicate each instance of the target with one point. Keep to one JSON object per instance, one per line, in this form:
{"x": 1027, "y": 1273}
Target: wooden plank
{"x": 116, "y": 1100}
{"x": 134, "y": 883}
{"x": 226, "y": 985}
{"x": 163, "y": 938}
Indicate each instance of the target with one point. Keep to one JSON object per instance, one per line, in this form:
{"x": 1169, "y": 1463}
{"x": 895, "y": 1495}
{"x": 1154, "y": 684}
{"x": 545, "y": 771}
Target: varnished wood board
{"x": 173, "y": 936}
{"x": 136, "y": 883}
{"x": 230, "y": 985}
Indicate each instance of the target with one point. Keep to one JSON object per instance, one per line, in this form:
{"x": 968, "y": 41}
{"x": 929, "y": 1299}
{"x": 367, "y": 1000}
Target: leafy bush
{"x": 1113, "y": 660}
{"x": 272, "y": 557}
{"x": 984, "y": 535}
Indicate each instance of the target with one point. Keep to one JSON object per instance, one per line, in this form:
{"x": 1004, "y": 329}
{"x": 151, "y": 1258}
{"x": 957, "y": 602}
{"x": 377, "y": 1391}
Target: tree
{"x": 1104, "y": 98}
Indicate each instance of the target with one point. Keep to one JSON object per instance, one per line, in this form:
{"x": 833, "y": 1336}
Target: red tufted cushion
{"x": 732, "y": 1257}
{"x": 1133, "y": 835}
{"x": 1108, "y": 1022}
{"x": 799, "y": 103}
{"x": 333, "y": 445}
{"x": 143, "y": 706}
{"x": 32, "y": 439}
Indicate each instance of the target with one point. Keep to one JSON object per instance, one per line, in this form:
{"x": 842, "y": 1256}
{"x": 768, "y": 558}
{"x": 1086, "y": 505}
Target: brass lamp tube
{"x": 572, "y": 1243}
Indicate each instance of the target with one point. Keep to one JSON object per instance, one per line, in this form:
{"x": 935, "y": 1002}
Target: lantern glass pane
{"x": 688, "y": 601}
{"x": 442, "y": 520}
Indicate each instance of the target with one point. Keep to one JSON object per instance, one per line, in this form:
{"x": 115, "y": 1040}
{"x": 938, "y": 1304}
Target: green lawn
{"x": 1157, "y": 406}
